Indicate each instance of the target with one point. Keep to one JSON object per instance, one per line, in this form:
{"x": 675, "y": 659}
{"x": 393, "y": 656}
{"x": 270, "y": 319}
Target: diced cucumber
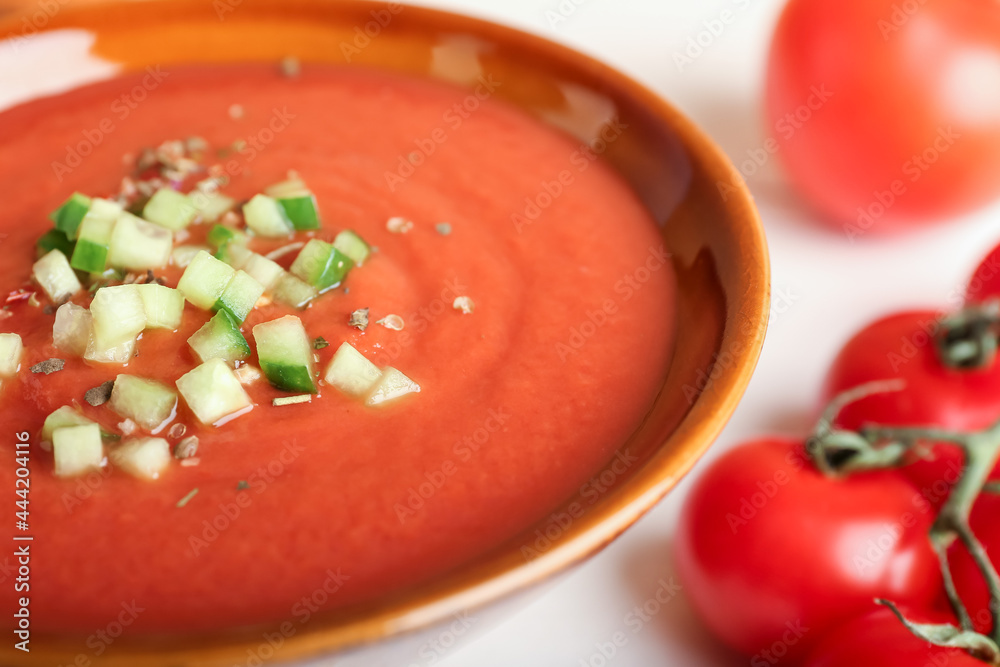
{"x": 266, "y": 217}
{"x": 220, "y": 235}
{"x": 321, "y": 265}
{"x": 94, "y": 235}
{"x": 263, "y": 270}
{"x": 286, "y": 354}
{"x": 171, "y": 209}
{"x": 72, "y": 329}
{"x": 291, "y": 291}
{"x": 56, "y": 276}
{"x": 142, "y": 457}
{"x": 301, "y": 210}
{"x": 220, "y": 338}
{"x": 138, "y": 245}
{"x": 240, "y": 295}
{"x": 68, "y": 217}
{"x": 54, "y": 240}
{"x": 350, "y": 372}
{"x": 119, "y": 315}
{"x": 77, "y": 449}
{"x": 390, "y": 386}
{"x": 148, "y": 403}
{"x": 204, "y": 280}
{"x": 164, "y": 305}
{"x": 115, "y": 354}
{"x": 181, "y": 256}
{"x": 235, "y": 255}
{"x": 211, "y": 205}
{"x": 353, "y": 246}
{"x": 213, "y": 392}
{"x": 64, "y": 416}
{"x": 11, "y": 350}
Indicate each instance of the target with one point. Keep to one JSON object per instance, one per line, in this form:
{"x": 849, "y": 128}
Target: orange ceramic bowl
{"x": 714, "y": 234}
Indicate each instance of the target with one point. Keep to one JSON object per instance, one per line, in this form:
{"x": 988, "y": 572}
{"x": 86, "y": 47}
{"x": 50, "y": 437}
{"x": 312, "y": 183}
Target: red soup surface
{"x": 521, "y": 401}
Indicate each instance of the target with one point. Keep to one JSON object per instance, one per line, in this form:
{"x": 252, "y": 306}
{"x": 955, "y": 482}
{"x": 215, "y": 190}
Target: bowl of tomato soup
{"x": 550, "y": 277}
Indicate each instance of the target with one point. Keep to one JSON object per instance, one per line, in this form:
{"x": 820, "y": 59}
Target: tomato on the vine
{"x": 985, "y": 280}
{"x": 879, "y": 639}
{"x": 886, "y": 112}
{"x": 771, "y": 552}
{"x": 968, "y": 580}
{"x": 901, "y": 346}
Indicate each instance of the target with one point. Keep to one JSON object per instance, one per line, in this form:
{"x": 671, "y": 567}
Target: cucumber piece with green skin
{"x": 64, "y": 416}
{"x": 72, "y": 329}
{"x": 67, "y": 218}
{"x": 204, "y": 280}
{"x": 94, "y": 236}
{"x": 77, "y": 449}
{"x": 240, "y": 295}
{"x": 54, "y": 240}
{"x": 11, "y": 349}
{"x": 145, "y": 458}
{"x": 213, "y": 392}
{"x": 391, "y": 386}
{"x": 171, "y": 209}
{"x": 352, "y": 245}
{"x": 321, "y": 265}
{"x": 148, "y": 403}
{"x": 164, "y": 305}
{"x": 220, "y": 235}
{"x": 220, "y": 338}
{"x": 56, "y": 276}
{"x": 291, "y": 187}
{"x": 265, "y": 217}
{"x": 293, "y": 292}
{"x": 119, "y": 315}
{"x": 137, "y": 245}
{"x": 286, "y": 354}
{"x": 350, "y": 372}
{"x": 301, "y": 210}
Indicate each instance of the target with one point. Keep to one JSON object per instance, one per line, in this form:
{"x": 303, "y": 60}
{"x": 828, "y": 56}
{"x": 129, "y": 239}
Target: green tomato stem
{"x": 968, "y": 339}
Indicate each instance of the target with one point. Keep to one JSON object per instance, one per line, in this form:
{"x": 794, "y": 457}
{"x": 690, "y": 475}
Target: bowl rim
{"x": 697, "y": 430}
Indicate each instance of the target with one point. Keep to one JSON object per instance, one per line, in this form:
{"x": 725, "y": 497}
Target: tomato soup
{"x": 521, "y": 400}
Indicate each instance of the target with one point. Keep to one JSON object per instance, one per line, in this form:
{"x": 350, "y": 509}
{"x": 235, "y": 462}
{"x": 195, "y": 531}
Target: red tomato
{"x": 901, "y": 346}
{"x": 968, "y": 581}
{"x": 879, "y": 639}
{"x": 887, "y": 112}
{"x": 772, "y": 553}
{"x": 985, "y": 281}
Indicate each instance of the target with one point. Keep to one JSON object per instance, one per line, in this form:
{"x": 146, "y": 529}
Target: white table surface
{"x": 824, "y": 288}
